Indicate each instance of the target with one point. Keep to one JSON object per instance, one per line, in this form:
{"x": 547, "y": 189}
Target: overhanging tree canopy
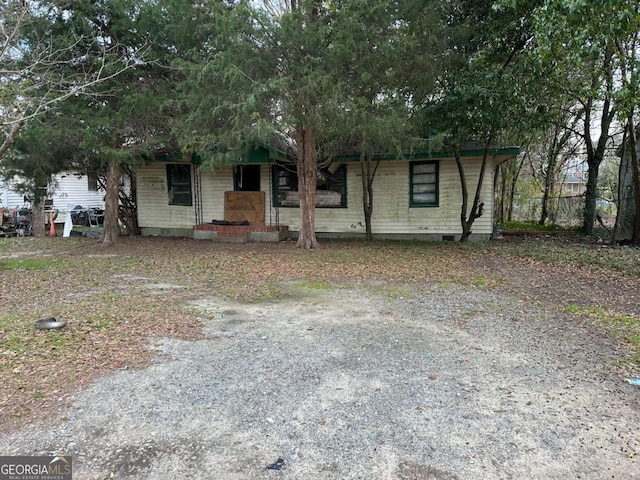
{"x": 45, "y": 59}
{"x": 311, "y": 76}
{"x": 123, "y": 117}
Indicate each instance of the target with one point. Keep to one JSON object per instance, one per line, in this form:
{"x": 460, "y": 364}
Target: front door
{"x": 246, "y": 178}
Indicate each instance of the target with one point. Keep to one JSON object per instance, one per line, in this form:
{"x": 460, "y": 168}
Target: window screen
{"x": 179, "y": 184}
{"x": 424, "y": 184}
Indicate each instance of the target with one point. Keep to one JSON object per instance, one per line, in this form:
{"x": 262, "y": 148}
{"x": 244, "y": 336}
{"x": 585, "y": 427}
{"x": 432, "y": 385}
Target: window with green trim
{"x": 423, "y": 184}
{"x": 179, "y": 184}
{"x": 331, "y": 189}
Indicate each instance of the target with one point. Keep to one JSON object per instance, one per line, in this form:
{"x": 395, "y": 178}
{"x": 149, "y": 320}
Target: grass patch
{"x": 270, "y": 291}
{"x": 340, "y": 256}
{"x": 40, "y": 263}
{"x": 313, "y": 285}
{"x": 392, "y": 290}
{"x": 634, "y": 340}
{"x": 111, "y": 313}
{"x": 28, "y": 348}
{"x": 530, "y": 227}
{"x": 480, "y": 283}
{"x": 97, "y": 322}
{"x": 623, "y": 260}
{"x": 103, "y": 332}
{"x": 624, "y": 327}
{"x": 576, "y": 309}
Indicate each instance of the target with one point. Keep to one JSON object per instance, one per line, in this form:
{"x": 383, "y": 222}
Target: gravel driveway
{"x": 448, "y": 383}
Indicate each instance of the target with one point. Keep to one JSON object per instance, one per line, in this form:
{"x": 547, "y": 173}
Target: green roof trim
{"x": 259, "y": 155}
{"x": 176, "y": 157}
{"x": 266, "y": 154}
{"x": 504, "y": 151}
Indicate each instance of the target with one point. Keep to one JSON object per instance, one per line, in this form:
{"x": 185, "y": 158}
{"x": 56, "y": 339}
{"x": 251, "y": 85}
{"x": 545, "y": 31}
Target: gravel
{"x": 447, "y": 383}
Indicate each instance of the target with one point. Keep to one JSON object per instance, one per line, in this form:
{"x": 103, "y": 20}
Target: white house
{"x": 65, "y": 192}
{"x": 414, "y": 198}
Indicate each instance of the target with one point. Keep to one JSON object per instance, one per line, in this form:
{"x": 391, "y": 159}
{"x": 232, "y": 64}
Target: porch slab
{"x": 240, "y": 233}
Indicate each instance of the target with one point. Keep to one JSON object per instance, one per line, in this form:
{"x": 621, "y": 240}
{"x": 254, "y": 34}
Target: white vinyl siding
{"x": 66, "y": 191}
{"x": 214, "y": 184}
{"x": 71, "y": 190}
{"x": 392, "y": 213}
{"x": 153, "y": 207}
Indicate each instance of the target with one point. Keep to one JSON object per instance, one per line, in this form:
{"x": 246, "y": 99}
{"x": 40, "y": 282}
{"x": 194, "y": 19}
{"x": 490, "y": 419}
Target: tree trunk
{"x": 633, "y": 150}
{"x": 620, "y": 192}
{"x": 560, "y": 137}
{"x": 478, "y": 206}
{"x": 626, "y": 205}
{"x": 549, "y": 187}
{"x": 596, "y": 151}
{"x": 500, "y": 174}
{"x": 366, "y": 197}
{"x": 37, "y": 217}
{"x": 465, "y": 194}
{"x": 111, "y": 230}
{"x": 544, "y": 211}
{"x": 557, "y": 203}
{"x": 128, "y": 205}
{"x": 307, "y": 182}
{"x": 512, "y": 189}
{"x": 367, "y": 192}
{"x": 589, "y": 214}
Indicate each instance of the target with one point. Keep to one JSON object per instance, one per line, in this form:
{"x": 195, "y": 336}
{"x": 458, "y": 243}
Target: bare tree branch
{"x": 32, "y": 89}
{"x": 15, "y": 130}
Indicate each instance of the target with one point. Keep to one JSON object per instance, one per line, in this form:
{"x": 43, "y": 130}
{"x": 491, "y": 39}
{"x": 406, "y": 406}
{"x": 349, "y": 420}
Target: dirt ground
{"x": 189, "y": 359}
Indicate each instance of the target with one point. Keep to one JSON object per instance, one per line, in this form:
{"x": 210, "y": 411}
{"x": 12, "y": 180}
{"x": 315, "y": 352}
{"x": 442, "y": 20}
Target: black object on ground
{"x": 277, "y": 465}
{"x": 226, "y": 222}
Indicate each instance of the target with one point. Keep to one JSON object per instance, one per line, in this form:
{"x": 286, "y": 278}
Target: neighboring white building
{"x": 65, "y": 192}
